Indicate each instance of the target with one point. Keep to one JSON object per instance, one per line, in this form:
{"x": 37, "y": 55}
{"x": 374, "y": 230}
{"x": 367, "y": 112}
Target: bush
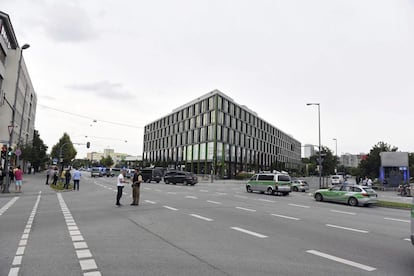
{"x": 59, "y": 186}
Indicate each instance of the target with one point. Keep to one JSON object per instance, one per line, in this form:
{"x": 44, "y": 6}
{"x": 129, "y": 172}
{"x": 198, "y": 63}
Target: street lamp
{"x": 336, "y": 153}
{"x": 319, "y": 158}
{"x": 11, "y": 127}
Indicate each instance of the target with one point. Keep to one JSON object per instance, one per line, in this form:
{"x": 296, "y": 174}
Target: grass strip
{"x": 397, "y": 205}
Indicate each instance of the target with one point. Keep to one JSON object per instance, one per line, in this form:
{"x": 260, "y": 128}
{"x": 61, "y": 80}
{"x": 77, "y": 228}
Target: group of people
{"x": 15, "y": 175}
{"x": 136, "y": 185}
{"x": 364, "y": 181}
{"x": 52, "y": 174}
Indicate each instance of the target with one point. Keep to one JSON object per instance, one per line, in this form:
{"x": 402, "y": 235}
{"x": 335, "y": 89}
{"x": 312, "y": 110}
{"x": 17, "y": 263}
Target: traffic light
{"x": 88, "y": 145}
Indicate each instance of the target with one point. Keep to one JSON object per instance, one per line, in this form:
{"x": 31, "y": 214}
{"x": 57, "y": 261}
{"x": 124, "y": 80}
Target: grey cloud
{"x": 103, "y": 89}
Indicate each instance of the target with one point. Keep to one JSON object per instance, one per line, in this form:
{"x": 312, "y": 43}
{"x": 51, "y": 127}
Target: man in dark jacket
{"x": 136, "y": 184}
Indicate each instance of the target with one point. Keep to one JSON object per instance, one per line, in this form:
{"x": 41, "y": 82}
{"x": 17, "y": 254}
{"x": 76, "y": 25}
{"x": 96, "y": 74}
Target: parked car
{"x": 109, "y": 172}
{"x": 96, "y": 172}
{"x": 152, "y": 174}
{"x": 299, "y": 185}
{"x": 279, "y": 183}
{"x": 175, "y": 177}
{"x": 337, "y": 179}
{"x": 350, "y": 194}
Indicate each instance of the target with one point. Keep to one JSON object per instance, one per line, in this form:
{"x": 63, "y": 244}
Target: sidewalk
{"x": 32, "y": 184}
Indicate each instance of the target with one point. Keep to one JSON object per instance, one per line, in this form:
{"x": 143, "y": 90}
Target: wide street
{"x": 207, "y": 229}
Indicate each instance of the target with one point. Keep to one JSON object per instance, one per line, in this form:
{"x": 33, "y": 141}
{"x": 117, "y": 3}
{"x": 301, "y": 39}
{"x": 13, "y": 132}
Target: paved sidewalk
{"x": 32, "y": 184}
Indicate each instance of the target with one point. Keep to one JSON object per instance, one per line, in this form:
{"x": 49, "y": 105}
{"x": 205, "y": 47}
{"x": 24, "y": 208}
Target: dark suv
{"x": 175, "y": 177}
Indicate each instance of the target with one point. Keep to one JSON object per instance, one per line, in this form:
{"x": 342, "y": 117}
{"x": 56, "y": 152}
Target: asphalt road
{"x": 207, "y": 229}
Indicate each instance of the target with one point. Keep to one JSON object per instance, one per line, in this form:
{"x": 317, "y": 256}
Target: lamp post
{"x": 320, "y": 157}
{"x": 336, "y": 153}
{"x": 11, "y": 127}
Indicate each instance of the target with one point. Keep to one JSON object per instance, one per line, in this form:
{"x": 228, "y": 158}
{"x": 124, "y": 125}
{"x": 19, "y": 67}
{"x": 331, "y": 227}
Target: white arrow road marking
{"x": 340, "y": 260}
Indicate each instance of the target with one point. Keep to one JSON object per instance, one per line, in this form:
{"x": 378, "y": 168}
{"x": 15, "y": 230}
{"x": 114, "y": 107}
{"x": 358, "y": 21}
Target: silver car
{"x": 300, "y": 185}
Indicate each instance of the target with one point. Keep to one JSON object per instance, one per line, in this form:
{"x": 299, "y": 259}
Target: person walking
{"x": 136, "y": 184}
{"x": 120, "y": 185}
{"x": 55, "y": 176}
{"x": 76, "y": 178}
{"x": 18, "y": 174}
{"x": 48, "y": 174}
{"x": 68, "y": 176}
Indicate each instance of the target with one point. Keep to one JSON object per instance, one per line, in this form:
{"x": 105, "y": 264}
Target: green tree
{"x": 107, "y": 161}
{"x": 370, "y": 166}
{"x": 64, "y": 147}
{"x": 329, "y": 162}
{"x": 35, "y": 152}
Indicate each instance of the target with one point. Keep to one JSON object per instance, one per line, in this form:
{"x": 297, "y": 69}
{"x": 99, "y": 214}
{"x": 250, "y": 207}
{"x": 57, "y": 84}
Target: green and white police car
{"x": 271, "y": 183}
{"x": 350, "y": 194}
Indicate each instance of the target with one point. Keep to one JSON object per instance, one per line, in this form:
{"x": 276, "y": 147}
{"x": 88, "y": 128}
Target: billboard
{"x": 394, "y": 159}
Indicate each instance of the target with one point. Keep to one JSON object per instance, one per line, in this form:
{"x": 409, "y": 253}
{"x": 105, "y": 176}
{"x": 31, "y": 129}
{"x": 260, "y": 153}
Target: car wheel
{"x": 285, "y": 193}
{"x": 158, "y": 181}
{"x": 249, "y": 189}
{"x": 353, "y": 201}
{"x": 318, "y": 197}
{"x": 295, "y": 189}
{"x": 269, "y": 191}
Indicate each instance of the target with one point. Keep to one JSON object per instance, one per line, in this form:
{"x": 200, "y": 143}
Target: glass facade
{"x": 213, "y": 134}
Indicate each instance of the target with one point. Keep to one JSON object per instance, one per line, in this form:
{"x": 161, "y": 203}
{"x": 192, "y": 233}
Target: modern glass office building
{"x": 214, "y": 134}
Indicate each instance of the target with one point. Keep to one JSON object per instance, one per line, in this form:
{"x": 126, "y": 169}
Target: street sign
{"x": 17, "y": 152}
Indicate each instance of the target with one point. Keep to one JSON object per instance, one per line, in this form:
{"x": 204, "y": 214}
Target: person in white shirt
{"x": 120, "y": 185}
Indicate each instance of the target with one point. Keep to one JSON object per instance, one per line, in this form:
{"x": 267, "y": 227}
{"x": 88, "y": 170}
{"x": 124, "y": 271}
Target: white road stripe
{"x": 249, "y": 232}
{"x": 239, "y": 196}
{"x": 201, "y": 217}
{"x": 347, "y": 228}
{"x": 8, "y": 205}
{"x": 340, "y": 260}
{"x": 297, "y": 205}
{"x": 400, "y": 220}
{"x": 407, "y": 239}
{"x": 343, "y": 212}
{"x": 246, "y": 209}
{"x": 266, "y": 200}
{"x": 149, "y": 201}
{"x": 214, "y": 202}
{"x": 192, "y": 197}
{"x": 170, "y": 208}
{"x": 286, "y": 217}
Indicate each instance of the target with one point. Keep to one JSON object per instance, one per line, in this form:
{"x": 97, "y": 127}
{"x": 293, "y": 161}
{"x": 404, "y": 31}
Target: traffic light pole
{"x": 6, "y": 171}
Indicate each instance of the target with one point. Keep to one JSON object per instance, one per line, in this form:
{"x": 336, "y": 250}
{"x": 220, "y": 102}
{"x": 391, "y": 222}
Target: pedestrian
{"x": 11, "y": 175}
{"x": 48, "y": 174}
{"x": 120, "y": 185}
{"x": 76, "y": 178}
{"x": 18, "y": 174}
{"x": 136, "y": 184}
{"x": 55, "y": 176}
{"x": 369, "y": 183}
{"x": 2, "y": 175}
{"x": 365, "y": 181}
{"x": 68, "y": 176}
{"x": 62, "y": 176}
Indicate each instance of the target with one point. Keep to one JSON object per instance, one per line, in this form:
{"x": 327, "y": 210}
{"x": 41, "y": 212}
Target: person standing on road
{"x": 76, "y": 178}
{"x": 55, "y": 176}
{"x": 18, "y": 174}
{"x": 120, "y": 185}
{"x": 136, "y": 184}
{"x": 68, "y": 176}
{"x": 48, "y": 174}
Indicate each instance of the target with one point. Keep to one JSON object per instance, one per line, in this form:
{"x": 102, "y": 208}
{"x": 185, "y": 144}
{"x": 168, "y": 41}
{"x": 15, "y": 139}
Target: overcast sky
{"x": 129, "y": 62}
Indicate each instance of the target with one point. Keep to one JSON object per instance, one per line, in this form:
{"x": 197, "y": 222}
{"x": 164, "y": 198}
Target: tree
{"x": 35, "y": 152}
{"x": 64, "y": 147}
{"x": 107, "y": 161}
{"x": 370, "y": 166}
{"x": 328, "y": 161}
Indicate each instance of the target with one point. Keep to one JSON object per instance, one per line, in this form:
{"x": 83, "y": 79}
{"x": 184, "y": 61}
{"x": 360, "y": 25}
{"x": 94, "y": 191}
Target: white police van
{"x": 271, "y": 183}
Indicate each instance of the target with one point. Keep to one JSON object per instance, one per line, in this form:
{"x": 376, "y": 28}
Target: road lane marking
{"x": 204, "y": 191}
{"x": 8, "y": 205}
{"x": 170, "y": 208}
{"x": 286, "y": 217}
{"x": 400, "y": 220}
{"x": 246, "y": 209}
{"x": 221, "y": 193}
{"x": 239, "y": 196}
{"x": 201, "y": 217}
{"x": 407, "y": 239}
{"x": 347, "y": 228}
{"x": 340, "y": 260}
{"x": 157, "y": 190}
{"x": 343, "y": 212}
{"x": 17, "y": 260}
{"x": 266, "y": 200}
{"x": 297, "y": 205}
{"x": 85, "y": 258}
{"x": 149, "y": 201}
{"x": 192, "y": 197}
{"x": 214, "y": 202}
{"x": 249, "y": 232}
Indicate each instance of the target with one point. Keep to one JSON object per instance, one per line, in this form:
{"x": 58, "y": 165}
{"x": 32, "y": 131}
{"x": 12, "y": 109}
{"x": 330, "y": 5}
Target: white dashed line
{"x": 214, "y": 202}
{"x": 343, "y": 212}
{"x": 297, "y": 205}
{"x": 8, "y": 205}
{"x": 17, "y": 261}
{"x": 149, "y": 201}
{"x": 266, "y": 200}
{"x": 86, "y": 260}
{"x": 249, "y": 232}
{"x": 286, "y": 217}
{"x": 246, "y": 209}
{"x": 400, "y": 220}
{"x": 201, "y": 217}
{"x": 239, "y": 196}
{"x": 170, "y": 208}
{"x": 340, "y": 260}
{"x": 192, "y": 197}
{"x": 347, "y": 228}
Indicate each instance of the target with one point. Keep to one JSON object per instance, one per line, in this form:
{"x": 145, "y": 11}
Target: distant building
{"x": 214, "y": 134}
{"x": 116, "y": 157}
{"x": 308, "y": 150}
{"x": 351, "y": 160}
